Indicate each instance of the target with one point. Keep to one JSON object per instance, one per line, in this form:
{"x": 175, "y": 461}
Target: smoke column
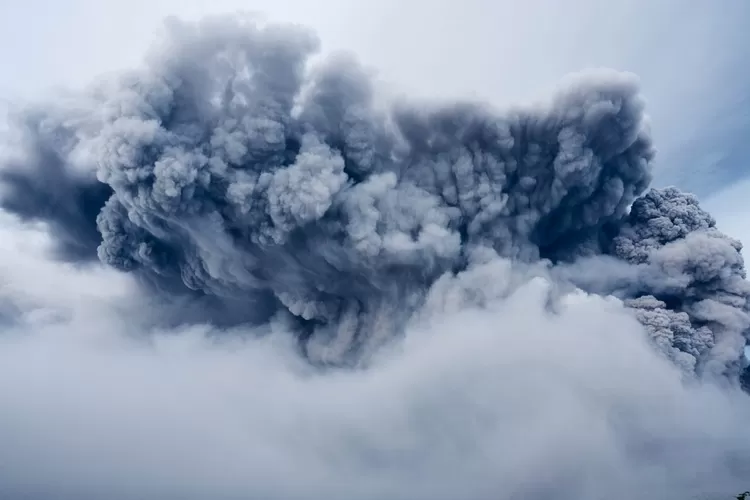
{"x": 250, "y": 186}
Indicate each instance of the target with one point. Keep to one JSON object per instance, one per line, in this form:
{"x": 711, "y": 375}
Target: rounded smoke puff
{"x": 228, "y": 169}
{"x": 709, "y": 300}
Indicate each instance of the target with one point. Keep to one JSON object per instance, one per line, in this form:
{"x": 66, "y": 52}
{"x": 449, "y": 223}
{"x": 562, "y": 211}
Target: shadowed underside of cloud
{"x": 340, "y": 300}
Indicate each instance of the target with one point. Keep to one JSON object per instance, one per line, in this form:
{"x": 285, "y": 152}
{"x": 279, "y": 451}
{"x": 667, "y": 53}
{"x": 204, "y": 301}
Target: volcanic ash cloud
{"x": 263, "y": 198}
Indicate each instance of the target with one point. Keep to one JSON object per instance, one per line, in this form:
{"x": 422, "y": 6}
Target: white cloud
{"x": 511, "y": 400}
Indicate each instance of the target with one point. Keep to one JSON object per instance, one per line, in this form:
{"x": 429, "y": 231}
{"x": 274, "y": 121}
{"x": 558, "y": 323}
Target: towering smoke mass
{"x": 269, "y": 188}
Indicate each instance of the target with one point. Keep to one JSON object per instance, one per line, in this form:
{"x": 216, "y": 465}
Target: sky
{"x": 505, "y": 398}
{"x": 691, "y": 56}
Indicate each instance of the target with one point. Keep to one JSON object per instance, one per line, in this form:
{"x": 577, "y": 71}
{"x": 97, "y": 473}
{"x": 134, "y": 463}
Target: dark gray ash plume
{"x": 232, "y": 168}
{"x": 705, "y": 313}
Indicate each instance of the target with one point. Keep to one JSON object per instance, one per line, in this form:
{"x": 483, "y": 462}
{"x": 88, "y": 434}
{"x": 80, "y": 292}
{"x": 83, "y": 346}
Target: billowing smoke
{"x": 251, "y": 187}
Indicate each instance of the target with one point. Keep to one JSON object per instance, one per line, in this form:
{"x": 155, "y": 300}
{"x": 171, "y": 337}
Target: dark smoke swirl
{"x": 232, "y": 169}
